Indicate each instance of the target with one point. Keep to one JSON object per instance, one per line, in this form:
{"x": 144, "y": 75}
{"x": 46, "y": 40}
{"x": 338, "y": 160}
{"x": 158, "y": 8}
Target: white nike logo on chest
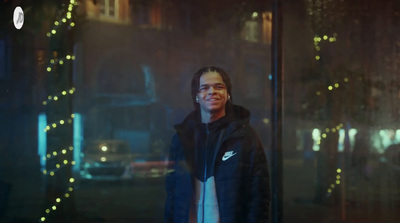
{"x": 228, "y": 155}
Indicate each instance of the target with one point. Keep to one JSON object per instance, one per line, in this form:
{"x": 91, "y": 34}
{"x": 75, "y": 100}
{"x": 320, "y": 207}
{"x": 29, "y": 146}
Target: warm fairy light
{"x": 318, "y": 40}
{"x": 57, "y": 97}
{"x": 53, "y": 62}
{"x": 339, "y": 170}
{"x": 54, "y": 125}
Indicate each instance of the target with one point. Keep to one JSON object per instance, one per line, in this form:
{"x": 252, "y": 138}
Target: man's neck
{"x": 207, "y": 117}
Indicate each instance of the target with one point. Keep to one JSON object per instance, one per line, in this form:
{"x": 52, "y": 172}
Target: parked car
{"x": 106, "y": 160}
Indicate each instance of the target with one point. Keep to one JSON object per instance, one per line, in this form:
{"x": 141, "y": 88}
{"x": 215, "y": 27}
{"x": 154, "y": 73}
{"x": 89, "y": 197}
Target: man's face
{"x": 212, "y": 93}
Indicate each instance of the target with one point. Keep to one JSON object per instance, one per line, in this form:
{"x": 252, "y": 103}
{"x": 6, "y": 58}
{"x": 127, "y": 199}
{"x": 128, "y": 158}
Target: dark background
{"x": 133, "y": 62}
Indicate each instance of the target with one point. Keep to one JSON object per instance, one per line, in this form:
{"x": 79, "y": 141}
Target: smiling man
{"x": 219, "y": 171}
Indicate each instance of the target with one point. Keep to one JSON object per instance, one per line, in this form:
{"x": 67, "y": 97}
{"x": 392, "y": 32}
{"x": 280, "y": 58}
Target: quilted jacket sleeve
{"x": 259, "y": 188}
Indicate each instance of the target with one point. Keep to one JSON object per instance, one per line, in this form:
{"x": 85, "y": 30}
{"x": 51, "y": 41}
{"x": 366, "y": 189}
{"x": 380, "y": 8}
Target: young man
{"x": 219, "y": 171}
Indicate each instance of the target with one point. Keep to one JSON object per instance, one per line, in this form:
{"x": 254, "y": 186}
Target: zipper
{"x": 205, "y": 172}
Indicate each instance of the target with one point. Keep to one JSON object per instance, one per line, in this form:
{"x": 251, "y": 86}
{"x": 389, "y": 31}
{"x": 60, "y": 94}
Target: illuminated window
{"x": 251, "y": 31}
{"x": 108, "y": 8}
{"x": 258, "y": 28}
{"x": 267, "y": 27}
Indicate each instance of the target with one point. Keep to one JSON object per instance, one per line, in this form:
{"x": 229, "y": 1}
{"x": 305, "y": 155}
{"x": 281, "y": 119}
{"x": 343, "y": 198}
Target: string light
{"x": 58, "y": 200}
{"x": 337, "y": 182}
{"x": 318, "y": 40}
{"x": 54, "y": 124}
{"x": 324, "y": 135}
{"x": 334, "y": 86}
{"x": 58, "y": 166}
{"x": 54, "y": 154}
{"x": 57, "y": 96}
{"x": 65, "y": 162}
{"x": 60, "y": 61}
{"x": 68, "y": 16}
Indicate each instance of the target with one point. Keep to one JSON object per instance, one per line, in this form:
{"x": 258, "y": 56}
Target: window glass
{"x": 91, "y": 90}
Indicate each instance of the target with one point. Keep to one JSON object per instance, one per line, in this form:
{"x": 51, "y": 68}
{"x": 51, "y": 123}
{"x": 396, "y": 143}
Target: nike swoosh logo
{"x": 228, "y": 155}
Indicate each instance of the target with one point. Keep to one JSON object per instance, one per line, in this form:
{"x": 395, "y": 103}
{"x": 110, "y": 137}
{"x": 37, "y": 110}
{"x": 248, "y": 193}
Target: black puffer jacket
{"x": 238, "y": 170}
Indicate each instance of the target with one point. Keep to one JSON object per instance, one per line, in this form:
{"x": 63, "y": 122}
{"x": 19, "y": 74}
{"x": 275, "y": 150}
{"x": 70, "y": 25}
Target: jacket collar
{"x": 236, "y": 118}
